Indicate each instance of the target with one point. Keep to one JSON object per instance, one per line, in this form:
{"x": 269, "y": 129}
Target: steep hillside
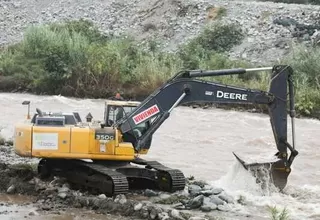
{"x": 270, "y": 27}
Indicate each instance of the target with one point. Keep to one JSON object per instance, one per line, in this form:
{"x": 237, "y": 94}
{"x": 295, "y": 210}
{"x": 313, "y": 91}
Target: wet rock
{"x": 207, "y": 205}
{"x": 164, "y": 196}
{"x": 185, "y": 215}
{"x": 154, "y": 211}
{"x": 179, "y": 206}
{"x": 41, "y": 201}
{"x": 206, "y": 192}
{"x": 77, "y": 194}
{"x": 83, "y": 201}
{"x": 216, "y": 191}
{"x": 123, "y": 200}
{"x": 225, "y": 197}
{"x": 144, "y": 212}
{"x": 56, "y": 213}
{"x": 199, "y": 183}
{"x": 285, "y": 21}
{"x": 197, "y": 218}
{"x": 194, "y": 189}
{"x": 216, "y": 200}
{"x": 223, "y": 208}
{"x": 55, "y": 181}
{"x": 46, "y": 207}
{"x": 110, "y": 206}
{"x": 207, "y": 187}
{"x": 96, "y": 203}
{"x": 163, "y": 216}
{"x": 150, "y": 193}
{"x": 120, "y": 199}
{"x": 62, "y": 195}
{"x": 11, "y": 189}
{"x": 137, "y": 207}
{"x": 39, "y": 186}
{"x": 210, "y": 192}
{"x": 102, "y": 196}
{"x": 175, "y": 214}
{"x": 195, "y": 202}
{"x": 174, "y": 199}
{"x": 205, "y": 208}
{"x": 63, "y": 189}
{"x": 33, "y": 213}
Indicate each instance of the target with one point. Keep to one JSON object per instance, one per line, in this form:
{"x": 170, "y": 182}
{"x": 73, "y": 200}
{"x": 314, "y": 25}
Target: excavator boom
{"x": 184, "y": 88}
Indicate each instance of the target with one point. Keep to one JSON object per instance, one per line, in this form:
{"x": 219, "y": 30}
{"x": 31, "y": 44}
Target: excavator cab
{"x": 117, "y": 110}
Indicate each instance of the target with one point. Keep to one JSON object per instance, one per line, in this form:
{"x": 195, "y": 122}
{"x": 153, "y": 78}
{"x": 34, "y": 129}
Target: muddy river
{"x": 200, "y": 142}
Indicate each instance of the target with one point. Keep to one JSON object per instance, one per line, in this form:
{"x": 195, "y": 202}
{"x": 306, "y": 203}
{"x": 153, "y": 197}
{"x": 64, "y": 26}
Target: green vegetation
{"x": 75, "y": 59}
{"x": 2, "y": 140}
{"x": 277, "y": 215}
{"x": 307, "y": 79}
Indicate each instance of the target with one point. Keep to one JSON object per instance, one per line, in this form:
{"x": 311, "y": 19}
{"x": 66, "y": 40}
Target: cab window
{"x": 117, "y": 113}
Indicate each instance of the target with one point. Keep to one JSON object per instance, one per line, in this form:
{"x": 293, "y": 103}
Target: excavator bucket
{"x": 268, "y": 172}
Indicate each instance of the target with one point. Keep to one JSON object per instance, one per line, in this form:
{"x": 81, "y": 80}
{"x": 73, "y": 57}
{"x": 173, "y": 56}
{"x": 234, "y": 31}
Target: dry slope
{"x": 270, "y": 27}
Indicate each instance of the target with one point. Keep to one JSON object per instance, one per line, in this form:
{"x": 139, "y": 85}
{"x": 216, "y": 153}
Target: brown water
{"x": 200, "y": 142}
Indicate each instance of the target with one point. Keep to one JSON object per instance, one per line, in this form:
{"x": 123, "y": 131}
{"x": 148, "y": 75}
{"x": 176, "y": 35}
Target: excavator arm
{"x": 186, "y": 87}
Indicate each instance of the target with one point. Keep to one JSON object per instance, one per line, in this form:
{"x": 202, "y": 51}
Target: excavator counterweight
{"x": 116, "y": 145}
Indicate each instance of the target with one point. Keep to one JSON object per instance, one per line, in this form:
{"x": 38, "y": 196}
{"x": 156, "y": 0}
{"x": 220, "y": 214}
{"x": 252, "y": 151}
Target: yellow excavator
{"x": 115, "y": 146}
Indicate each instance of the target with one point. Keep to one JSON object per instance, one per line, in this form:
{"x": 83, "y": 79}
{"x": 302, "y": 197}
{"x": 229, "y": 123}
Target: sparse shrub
{"x": 277, "y": 215}
{"x": 219, "y": 37}
{"x": 214, "y": 39}
{"x": 2, "y": 140}
{"x": 149, "y": 26}
{"x": 307, "y": 78}
{"x": 83, "y": 27}
{"x": 215, "y": 12}
{"x": 153, "y": 71}
{"x": 305, "y": 62}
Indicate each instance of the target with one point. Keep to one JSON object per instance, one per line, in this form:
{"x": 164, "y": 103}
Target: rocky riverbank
{"x": 199, "y": 200}
{"x": 270, "y": 28}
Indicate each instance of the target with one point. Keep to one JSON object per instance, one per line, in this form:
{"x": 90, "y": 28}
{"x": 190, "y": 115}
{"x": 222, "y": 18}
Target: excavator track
{"x": 115, "y": 178}
{"x": 94, "y": 176}
{"x": 168, "y": 179}
{"x": 120, "y": 183}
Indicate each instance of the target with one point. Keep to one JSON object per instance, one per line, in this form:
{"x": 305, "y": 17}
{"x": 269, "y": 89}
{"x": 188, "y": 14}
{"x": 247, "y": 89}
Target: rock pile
{"x": 270, "y": 28}
{"x": 151, "y": 205}
{"x": 8, "y": 156}
{"x": 57, "y": 195}
{"x": 206, "y": 198}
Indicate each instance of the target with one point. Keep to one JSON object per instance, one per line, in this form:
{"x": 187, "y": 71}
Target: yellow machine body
{"x": 73, "y": 141}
